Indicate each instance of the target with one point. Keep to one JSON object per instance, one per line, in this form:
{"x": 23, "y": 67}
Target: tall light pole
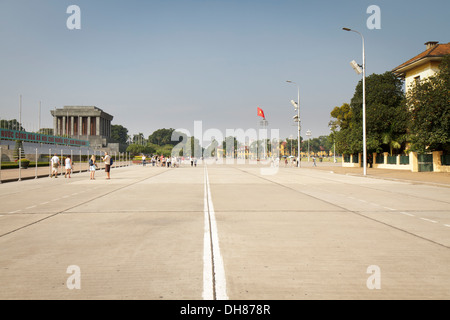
{"x": 20, "y": 113}
{"x": 308, "y": 133}
{"x": 334, "y": 146}
{"x": 364, "y": 96}
{"x": 297, "y": 108}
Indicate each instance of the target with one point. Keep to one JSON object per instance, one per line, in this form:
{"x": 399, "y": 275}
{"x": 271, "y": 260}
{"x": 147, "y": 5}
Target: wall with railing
{"x": 32, "y": 160}
{"x": 435, "y": 161}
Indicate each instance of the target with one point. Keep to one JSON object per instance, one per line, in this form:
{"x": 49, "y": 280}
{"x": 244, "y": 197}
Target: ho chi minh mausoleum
{"x": 85, "y": 123}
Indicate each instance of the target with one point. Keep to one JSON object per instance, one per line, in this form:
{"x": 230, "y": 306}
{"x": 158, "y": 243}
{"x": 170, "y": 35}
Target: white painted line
{"x": 46, "y": 202}
{"x": 389, "y": 208}
{"x": 219, "y": 280}
{"x": 30, "y": 207}
{"x": 208, "y": 289}
{"x": 407, "y": 214}
{"x": 429, "y": 220}
{"x": 15, "y": 211}
{"x": 447, "y": 225}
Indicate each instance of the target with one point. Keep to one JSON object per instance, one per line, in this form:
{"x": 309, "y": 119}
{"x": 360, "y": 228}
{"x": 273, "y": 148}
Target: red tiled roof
{"x": 438, "y": 50}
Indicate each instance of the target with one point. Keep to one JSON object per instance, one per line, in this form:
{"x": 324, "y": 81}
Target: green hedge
{"x": 15, "y": 165}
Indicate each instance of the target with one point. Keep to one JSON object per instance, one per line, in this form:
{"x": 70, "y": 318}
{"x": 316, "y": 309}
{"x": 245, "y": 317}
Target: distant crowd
{"x": 174, "y": 162}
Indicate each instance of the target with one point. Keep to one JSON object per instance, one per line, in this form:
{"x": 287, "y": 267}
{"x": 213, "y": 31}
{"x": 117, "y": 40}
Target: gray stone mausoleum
{"x": 85, "y": 123}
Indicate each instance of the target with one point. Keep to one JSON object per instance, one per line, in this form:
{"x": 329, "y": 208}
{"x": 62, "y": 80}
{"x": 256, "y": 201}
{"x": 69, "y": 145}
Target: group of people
{"x": 55, "y": 163}
{"x": 161, "y": 161}
{"x": 93, "y": 166}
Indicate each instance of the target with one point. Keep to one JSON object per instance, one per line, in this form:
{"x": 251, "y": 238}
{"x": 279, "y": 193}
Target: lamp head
{"x": 356, "y": 67}
{"x": 346, "y": 29}
{"x": 295, "y": 104}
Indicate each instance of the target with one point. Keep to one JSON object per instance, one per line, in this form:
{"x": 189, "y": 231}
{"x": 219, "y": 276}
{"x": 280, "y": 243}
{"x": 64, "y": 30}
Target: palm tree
{"x": 394, "y": 141}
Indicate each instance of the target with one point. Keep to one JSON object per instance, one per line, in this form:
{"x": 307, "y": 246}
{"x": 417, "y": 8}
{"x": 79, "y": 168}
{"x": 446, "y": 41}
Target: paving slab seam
{"x": 373, "y": 188}
{"x": 348, "y": 210}
{"x": 214, "y": 271}
{"x": 435, "y": 184}
{"x": 77, "y": 205}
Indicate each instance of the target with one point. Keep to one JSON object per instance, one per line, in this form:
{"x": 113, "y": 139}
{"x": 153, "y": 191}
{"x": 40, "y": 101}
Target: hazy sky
{"x": 167, "y": 63}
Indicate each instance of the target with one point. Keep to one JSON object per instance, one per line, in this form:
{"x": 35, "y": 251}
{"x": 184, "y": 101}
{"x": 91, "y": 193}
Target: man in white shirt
{"x": 54, "y": 162}
{"x": 107, "y": 160}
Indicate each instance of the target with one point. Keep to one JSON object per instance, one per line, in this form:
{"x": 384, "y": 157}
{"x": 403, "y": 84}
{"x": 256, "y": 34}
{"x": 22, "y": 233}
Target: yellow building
{"x": 423, "y": 65}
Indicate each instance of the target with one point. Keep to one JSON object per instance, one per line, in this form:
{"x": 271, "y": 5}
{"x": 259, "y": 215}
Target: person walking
{"x": 107, "y": 160}
{"x": 55, "y": 165}
{"x": 68, "y": 163}
{"x": 92, "y": 167}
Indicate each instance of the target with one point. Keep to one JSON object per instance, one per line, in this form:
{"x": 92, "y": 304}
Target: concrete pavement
{"x": 298, "y": 234}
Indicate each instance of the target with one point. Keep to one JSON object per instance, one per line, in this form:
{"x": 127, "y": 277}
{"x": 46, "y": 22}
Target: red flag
{"x": 261, "y": 113}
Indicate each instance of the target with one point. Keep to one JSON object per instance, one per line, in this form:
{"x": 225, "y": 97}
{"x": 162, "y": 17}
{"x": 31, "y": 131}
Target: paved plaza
{"x": 225, "y": 232}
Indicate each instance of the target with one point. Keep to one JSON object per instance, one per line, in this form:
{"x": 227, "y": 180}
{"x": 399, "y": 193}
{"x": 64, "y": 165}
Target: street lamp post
{"x": 334, "y": 146}
{"x": 308, "y": 133}
{"x": 297, "y": 108}
{"x": 364, "y": 99}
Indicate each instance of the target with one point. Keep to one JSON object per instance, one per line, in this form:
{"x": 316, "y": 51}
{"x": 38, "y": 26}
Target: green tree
{"x": 165, "y": 150}
{"x": 345, "y": 138}
{"x": 428, "y": 103}
{"x": 228, "y": 150}
{"x": 343, "y": 116}
{"x": 135, "y": 149}
{"x": 11, "y": 125}
{"x": 321, "y": 143}
{"x": 161, "y": 136}
{"x": 119, "y": 133}
{"x": 139, "y": 139}
{"x": 385, "y": 115}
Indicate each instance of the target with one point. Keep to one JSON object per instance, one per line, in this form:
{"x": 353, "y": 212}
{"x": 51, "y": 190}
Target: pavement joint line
{"x": 77, "y": 205}
{"x": 214, "y": 285}
{"x": 208, "y": 270}
{"x": 429, "y": 220}
{"x": 436, "y": 184}
{"x": 348, "y": 210}
{"x": 390, "y": 191}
